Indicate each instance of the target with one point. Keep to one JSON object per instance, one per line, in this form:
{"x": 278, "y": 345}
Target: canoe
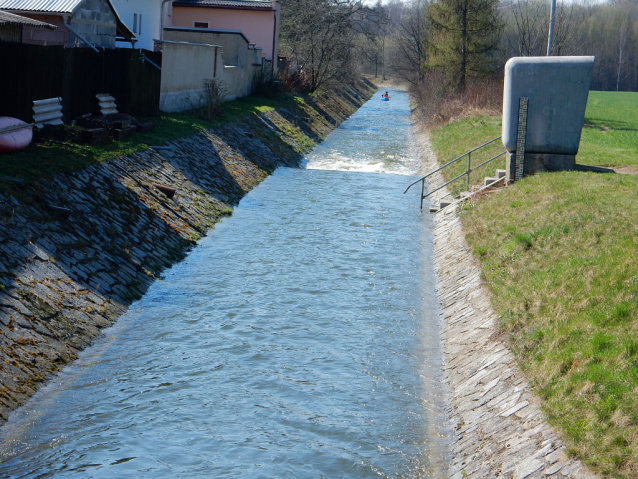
{"x": 15, "y": 135}
{"x": 385, "y": 99}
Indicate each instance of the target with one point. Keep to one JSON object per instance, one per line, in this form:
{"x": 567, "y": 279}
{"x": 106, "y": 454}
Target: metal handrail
{"x": 467, "y": 172}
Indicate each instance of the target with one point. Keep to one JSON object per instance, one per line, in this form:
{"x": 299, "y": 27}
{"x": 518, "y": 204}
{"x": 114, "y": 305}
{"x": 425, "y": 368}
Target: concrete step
{"x": 501, "y": 173}
{"x": 465, "y": 194}
{"x": 489, "y": 180}
{"x": 434, "y": 209}
{"x": 444, "y": 203}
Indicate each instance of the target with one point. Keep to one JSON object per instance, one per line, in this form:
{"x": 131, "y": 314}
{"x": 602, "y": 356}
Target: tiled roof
{"x": 224, "y": 3}
{"x": 53, "y": 6}
{"x": 7, "y": 18}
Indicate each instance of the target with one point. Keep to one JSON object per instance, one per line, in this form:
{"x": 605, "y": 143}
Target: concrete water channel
{"x": 299, "y": 339}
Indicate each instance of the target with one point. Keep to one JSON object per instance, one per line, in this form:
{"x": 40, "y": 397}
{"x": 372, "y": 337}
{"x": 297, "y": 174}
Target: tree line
{"x": 456, "y": 42}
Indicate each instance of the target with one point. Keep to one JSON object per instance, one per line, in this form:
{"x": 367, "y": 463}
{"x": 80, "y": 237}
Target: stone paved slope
{"x": 499, "y": 429}
{"x": 62, "y": 280}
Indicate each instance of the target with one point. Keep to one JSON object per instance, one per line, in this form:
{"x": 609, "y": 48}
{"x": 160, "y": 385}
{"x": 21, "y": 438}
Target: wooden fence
{"x": 34, "y": 72}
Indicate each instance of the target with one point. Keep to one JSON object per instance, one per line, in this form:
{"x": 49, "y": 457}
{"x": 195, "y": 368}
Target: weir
{"x": 299, "y": 339}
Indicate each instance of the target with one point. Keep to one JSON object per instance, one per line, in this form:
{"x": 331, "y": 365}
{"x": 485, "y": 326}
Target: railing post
{"x": 422, "y": 191}
{"x": 469, "y": 169}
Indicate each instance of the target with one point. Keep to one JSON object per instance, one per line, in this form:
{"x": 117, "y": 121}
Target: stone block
{"x": 96, "y": 136}
{"x": 123, "y": 133}
{"x": 489, "y": 180}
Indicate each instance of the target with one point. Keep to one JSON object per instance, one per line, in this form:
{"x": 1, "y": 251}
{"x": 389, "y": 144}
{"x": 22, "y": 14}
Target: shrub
{"x": 213, "y": 96}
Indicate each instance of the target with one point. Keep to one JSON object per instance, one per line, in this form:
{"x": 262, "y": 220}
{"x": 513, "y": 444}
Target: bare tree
{"x": 319, "y": 37}
{"x": 568, "y": 17}
{"x": 410, "y": 43}
{"x": 527, "y": 27}
{"x": 623, "y": 39}
{"x": 374, "y": 27}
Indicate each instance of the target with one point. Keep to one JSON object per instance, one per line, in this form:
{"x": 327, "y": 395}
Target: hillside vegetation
{"x": 559, "y": 253}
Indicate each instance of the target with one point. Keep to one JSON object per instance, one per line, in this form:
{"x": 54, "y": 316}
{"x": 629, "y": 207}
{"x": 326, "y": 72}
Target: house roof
{"x": 60, "y": 7}
{"x": 7, "y": 18}
{"x": 49, "y": 6}
{"x": 241, "y": 4}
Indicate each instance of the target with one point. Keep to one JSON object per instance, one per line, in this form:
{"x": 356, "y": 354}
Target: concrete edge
{"x": 499, "y": 428}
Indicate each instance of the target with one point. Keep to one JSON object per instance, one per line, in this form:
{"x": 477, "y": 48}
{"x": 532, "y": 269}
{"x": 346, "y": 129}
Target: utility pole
{"x": 550, "y": 37}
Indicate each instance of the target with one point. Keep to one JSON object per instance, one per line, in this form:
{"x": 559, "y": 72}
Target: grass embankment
{"x": 458, "y": 138}
{"x": 44, "y": 160}
{"x": 559, "y": 253}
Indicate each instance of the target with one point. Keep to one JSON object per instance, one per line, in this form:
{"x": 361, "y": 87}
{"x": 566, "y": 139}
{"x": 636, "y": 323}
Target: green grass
{"x": 458, "y": 138}
{"x": 42, "y": 161}
{"x": 559, "y": 253}
{"x": 610, "y": 136}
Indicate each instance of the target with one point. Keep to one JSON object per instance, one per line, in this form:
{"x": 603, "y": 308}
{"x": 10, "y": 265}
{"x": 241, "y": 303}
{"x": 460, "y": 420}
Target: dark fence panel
{"x": 122, "y": 73}
{"x": 140, "y": 93}
{"x": 29, "y": 72}
{"x": 33, "y": 72}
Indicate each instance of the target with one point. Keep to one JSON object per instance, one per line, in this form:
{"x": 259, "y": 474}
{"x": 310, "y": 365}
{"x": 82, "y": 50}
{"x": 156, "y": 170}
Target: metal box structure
{"x": 557, "y": 89}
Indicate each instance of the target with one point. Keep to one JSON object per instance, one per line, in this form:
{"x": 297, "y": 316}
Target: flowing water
{"x": 298, "y": 340}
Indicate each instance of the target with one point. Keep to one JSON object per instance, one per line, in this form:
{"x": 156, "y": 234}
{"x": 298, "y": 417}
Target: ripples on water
{"x": 378, "y": 138}
{"x": 298, "y": 340}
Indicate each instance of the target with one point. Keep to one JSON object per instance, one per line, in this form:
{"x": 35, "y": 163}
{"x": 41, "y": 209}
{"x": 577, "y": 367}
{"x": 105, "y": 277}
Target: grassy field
{"x": 611, "y": 123}
{"x": 559, "y": 253}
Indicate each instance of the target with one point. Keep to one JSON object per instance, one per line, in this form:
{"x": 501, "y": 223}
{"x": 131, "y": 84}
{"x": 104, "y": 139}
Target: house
{"x": 143, "y": 18}
{"x": 12, "y": 26}
{"x": 258, "y": 20}
{"x": 80, "y": 23}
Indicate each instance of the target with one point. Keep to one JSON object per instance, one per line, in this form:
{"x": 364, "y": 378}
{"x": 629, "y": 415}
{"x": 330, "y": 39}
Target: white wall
{"x": 150, "y": 13}
{"x": 181, "y": 92}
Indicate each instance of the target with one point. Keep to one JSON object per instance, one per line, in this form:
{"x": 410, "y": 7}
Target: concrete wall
{"x": 258, "y": 26}
{"x": 233, "y": 42}
{"x": 204, "y": 59}
{"x": 95, "y": 21}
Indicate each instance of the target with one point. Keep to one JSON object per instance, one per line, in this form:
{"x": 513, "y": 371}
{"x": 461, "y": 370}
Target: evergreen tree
{"x": 464, "y": 37}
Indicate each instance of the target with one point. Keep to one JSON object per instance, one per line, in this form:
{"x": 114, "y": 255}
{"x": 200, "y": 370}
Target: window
{"x": 137, "y": 23}
{"x": 200, "y": 24}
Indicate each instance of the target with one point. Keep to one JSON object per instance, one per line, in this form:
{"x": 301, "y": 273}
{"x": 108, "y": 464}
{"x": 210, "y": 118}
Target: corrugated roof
{"x": 224, "y": 3}
{"x": 52, "y": 6}
{"x": 7, "y": 18}
{"x": 60, "y": 7}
